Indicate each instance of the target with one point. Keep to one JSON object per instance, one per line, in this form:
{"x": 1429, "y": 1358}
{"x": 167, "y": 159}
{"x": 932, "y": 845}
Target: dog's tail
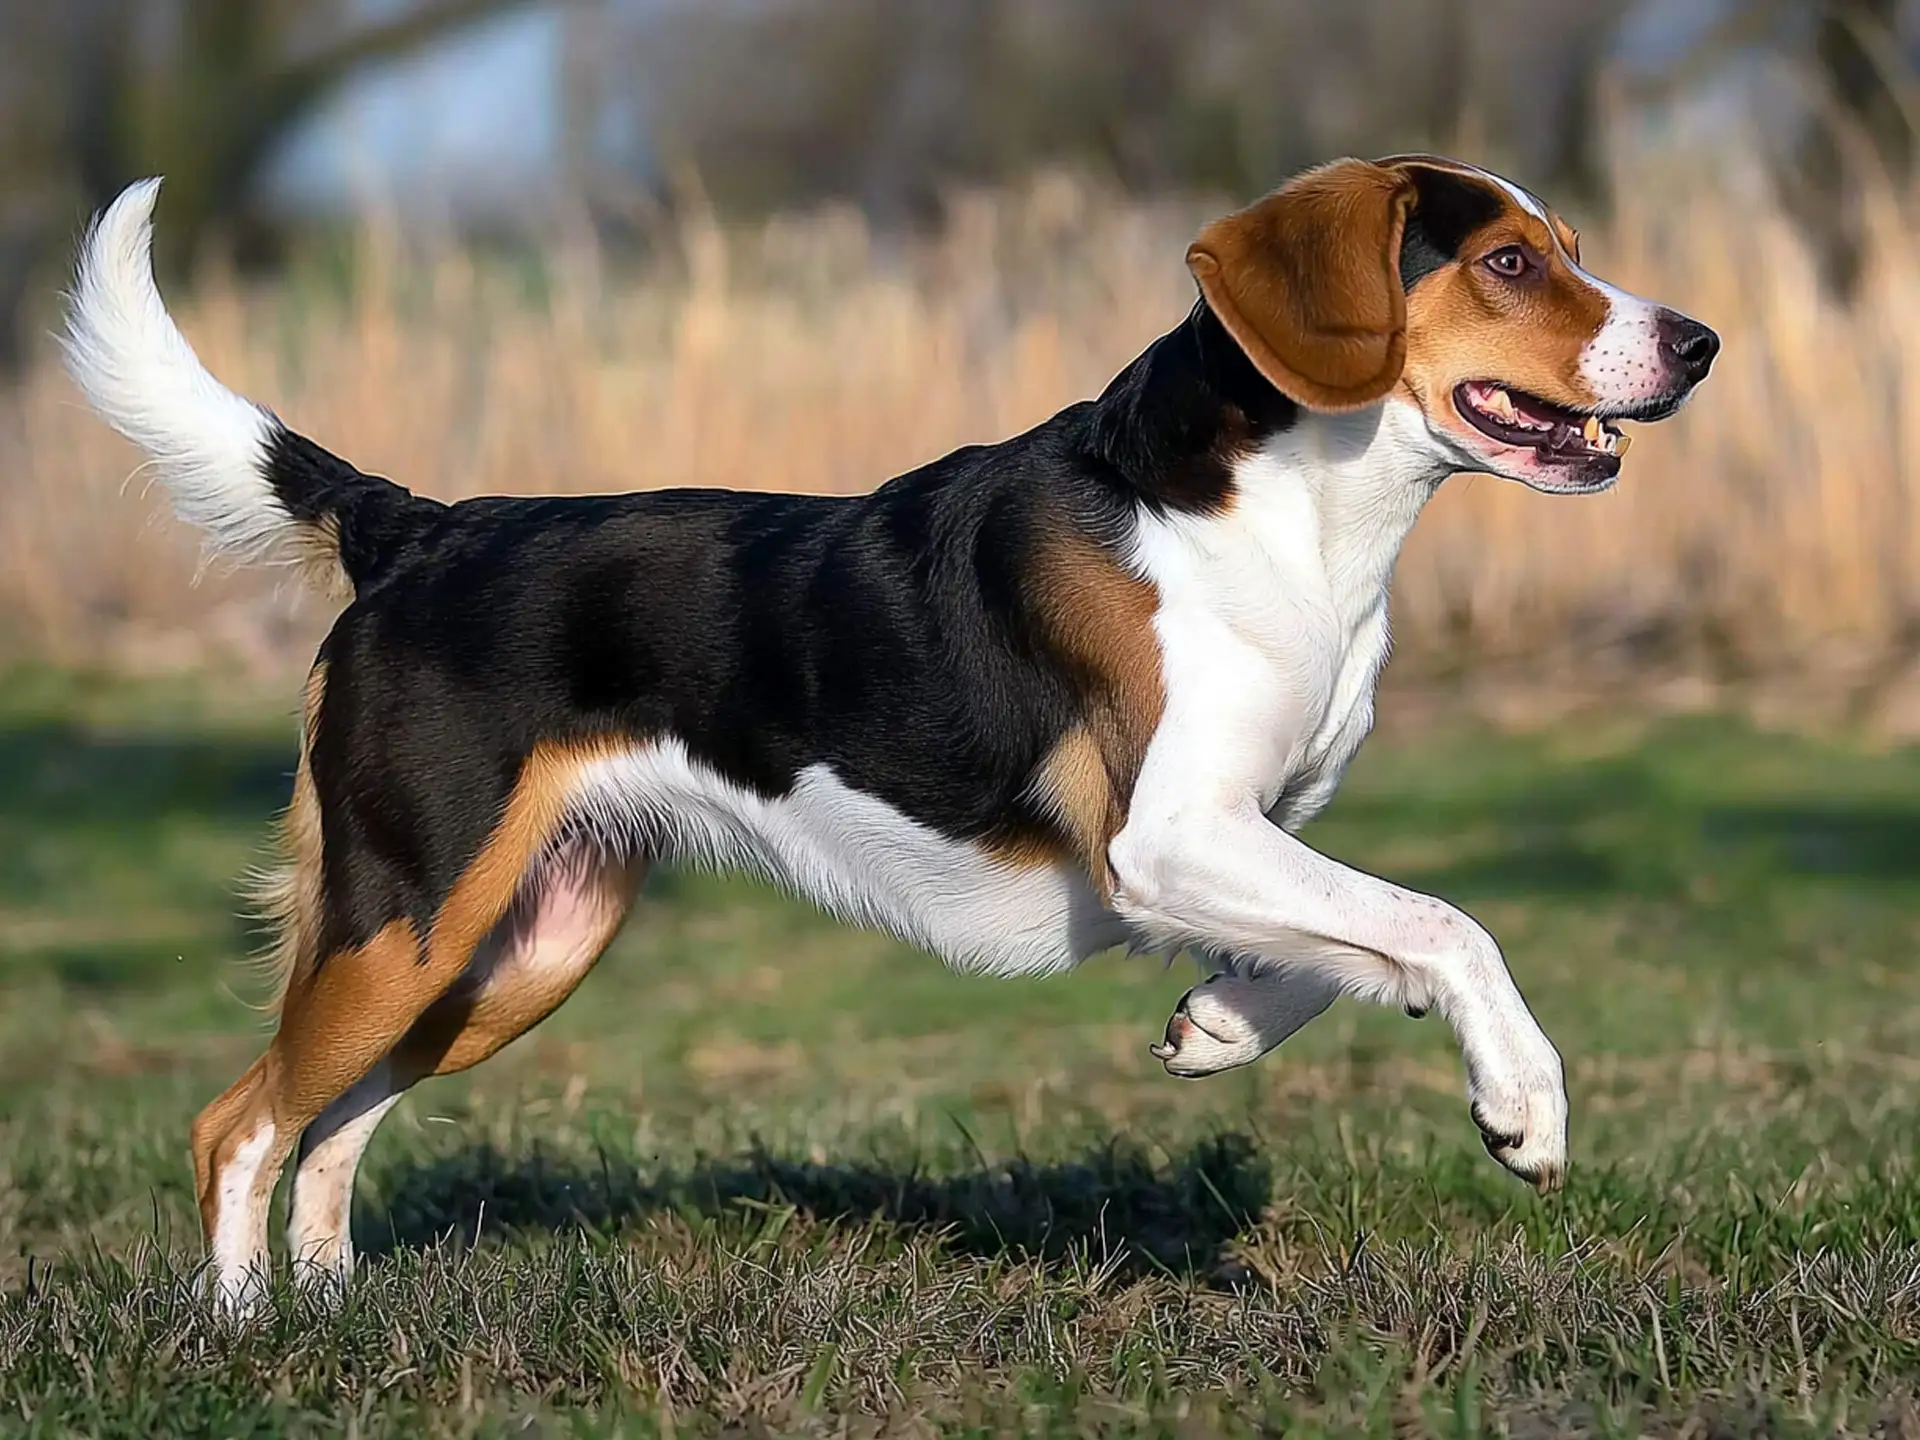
{"x": 261, "y": 492}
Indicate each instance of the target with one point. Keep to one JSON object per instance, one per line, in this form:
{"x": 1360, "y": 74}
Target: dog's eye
{"x": 1509, "y": 261}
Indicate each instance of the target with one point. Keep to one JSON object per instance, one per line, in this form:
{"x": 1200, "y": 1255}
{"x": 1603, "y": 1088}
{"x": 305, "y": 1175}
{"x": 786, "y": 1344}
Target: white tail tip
{"x": 208, "y": 445}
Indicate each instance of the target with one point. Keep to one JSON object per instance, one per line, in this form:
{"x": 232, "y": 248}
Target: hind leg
{"x": 331, "y": 1031}
{"x": 342, "y": 1015}
{"x": 520, "y": 975}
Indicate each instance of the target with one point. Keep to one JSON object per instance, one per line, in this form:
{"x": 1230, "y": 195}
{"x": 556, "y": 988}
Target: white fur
{"x": 1272, "y": 627}
{"x": 320, "y": 1208}
{"x": 1239, "y": 1015}
{"x": 1525, "y": 199}
{"x": 208, "y": 445}
{"x": 1622, "y": 364}
{"x": 240, "y": 1225}
{"x": 854, "y": 856}
{"x": 1291, "y": 583}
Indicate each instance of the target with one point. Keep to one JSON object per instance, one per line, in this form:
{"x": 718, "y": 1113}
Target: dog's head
{"x": 1429, "y": 282}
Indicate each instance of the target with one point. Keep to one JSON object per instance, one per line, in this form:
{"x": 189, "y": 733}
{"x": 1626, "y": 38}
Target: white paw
{"x": 324, "y": 1273}
{"x": 1521, "y": 1110}
{"x": 239, "y": 1294}
{"x": 1233, "y": 1020}
{"x": 1206, "y": 1036}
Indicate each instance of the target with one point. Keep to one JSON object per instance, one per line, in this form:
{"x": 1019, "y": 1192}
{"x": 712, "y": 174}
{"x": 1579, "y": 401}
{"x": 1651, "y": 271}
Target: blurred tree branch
{"x": 94, "y": 93}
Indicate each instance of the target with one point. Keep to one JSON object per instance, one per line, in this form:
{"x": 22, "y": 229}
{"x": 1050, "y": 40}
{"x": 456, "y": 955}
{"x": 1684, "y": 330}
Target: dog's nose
{"x": 1690, "y": 346}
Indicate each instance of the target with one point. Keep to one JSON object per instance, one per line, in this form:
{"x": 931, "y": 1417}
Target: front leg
{"x": 1225, "y": 879}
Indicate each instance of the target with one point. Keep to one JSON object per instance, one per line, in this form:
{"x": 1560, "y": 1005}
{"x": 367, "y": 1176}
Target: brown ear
{"x": 1307, "y": 281}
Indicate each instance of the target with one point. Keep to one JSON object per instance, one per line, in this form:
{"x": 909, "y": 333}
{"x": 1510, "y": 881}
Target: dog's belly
{"x": 854, "y": 856}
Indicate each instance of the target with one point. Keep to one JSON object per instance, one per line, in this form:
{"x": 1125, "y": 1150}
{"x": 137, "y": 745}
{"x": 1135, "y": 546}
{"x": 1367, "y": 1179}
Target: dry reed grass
{"x": 1772, "y": 527}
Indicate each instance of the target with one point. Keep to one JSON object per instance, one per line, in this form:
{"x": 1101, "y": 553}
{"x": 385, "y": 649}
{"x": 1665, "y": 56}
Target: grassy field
{"x": 766, "y": 1171}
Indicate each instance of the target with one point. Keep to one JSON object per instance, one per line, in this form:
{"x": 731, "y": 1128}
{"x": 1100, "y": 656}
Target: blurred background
{"x": 483, "y": 245}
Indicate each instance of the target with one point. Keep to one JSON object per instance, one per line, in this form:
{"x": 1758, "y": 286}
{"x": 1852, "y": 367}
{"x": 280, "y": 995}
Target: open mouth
{"x": 1559, "y": 435}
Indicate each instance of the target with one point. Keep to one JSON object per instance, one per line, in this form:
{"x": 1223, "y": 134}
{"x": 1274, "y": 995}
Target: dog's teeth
{"x": 1501, "y": 404}
{"x": 1620, "y": 443}
{"x": 1593, "y": 432}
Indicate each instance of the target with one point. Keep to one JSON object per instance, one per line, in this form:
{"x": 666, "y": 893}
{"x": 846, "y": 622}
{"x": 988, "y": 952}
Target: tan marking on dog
{"x": 288, "y": 895}
{"x": 1076, "y": 787}
{"x": 1568, "y": 237}
{"x": 1466, "y": 323}
{"x": 538, "y": 959}
{"x": 1307, "y": 282}
{"x": 1463, "y": 323}
{"x": 314, "y": 549}
{"x": 486, "y": 888}
{"x": 1099, "y": 620}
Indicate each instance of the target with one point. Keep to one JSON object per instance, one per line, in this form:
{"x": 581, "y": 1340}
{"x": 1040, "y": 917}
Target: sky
{"x": 471, "y": 123}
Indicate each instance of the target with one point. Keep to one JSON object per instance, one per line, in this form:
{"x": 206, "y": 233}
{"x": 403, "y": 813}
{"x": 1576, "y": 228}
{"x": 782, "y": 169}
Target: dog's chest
{"x": 1345, "y": 721}
{"x": 1322, "y": 664}
{"x": 1273, "y": 631}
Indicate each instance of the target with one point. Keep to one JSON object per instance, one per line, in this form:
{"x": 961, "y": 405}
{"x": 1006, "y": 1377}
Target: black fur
{"x": 1447, "y": 208}
{"x": 893, "y": 637}
{"x": 370, "y": 518}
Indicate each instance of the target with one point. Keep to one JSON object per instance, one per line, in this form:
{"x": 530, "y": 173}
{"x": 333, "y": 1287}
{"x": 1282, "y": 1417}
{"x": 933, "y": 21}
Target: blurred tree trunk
{"x": 922, "y": 112}
{"x": 1865, "y": 77}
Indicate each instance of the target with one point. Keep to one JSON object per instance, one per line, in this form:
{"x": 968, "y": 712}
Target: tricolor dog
{"x": 1073, "y": 691}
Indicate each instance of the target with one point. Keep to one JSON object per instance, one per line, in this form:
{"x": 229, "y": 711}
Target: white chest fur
{"x": 1273, "y": 617}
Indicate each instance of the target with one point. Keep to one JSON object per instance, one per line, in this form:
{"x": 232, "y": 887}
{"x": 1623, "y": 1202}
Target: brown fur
{"x": 471, "y": 1022}
{"x": 289, "y": 894}
{"x": 314, "y": 549}
{"x": 1460, "y": 324}
{"x": 480, "y": 897}
{"x": 1076, "y": 787}
{"x": 1307, "y": 282}
{"x": 1100, "y": 620}
{"x": 1568, "y": 237}
{"x": 1467, "y": 324}
{"x": 558, "y": 928}
{"x": 1464, "y": 324}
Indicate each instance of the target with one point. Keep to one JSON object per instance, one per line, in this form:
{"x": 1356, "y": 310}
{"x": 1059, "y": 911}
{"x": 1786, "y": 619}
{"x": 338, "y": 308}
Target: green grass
{"x": 765, "y": 1171}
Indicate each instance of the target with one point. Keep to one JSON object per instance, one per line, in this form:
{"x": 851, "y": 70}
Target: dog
{"x": 1032, "y": 701}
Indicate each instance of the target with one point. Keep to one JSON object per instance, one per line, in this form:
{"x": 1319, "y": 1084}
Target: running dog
{"x": 1034, "y": 700}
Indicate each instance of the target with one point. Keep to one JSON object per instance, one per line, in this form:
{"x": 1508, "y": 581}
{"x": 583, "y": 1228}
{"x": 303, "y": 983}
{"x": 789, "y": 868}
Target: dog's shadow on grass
{"x": 1113, "y": 1204}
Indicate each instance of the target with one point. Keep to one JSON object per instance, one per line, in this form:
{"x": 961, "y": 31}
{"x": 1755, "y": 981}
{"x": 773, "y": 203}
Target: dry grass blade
{"x": 1772, "y": 522}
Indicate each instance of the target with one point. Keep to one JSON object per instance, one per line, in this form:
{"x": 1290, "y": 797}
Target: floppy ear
{"x": 1307, "y": 281}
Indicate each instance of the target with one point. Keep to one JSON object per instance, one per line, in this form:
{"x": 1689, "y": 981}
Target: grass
{"x": 767, "y": 1172}
{"x": 1772, "y": 526}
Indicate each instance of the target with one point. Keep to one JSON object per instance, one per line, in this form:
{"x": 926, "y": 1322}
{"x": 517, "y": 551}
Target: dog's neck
{"x": 1193, "y": 427}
